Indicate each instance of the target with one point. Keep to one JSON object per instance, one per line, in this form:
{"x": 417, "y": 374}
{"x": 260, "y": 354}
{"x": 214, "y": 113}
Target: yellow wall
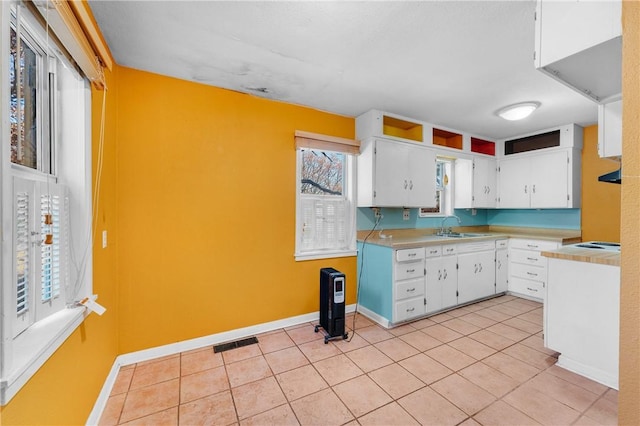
{"x": 206, "y": 209}
{"x": 628, "y": 407}
{"x": 64, "y": 390}
{"x": 600, "y": 201}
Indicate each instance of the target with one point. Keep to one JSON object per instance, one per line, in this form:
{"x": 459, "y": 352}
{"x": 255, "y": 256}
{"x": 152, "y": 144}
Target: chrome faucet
{"x": 442, "y": 230}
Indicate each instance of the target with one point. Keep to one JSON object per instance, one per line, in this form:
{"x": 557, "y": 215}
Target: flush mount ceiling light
{"x": 518, "y": 111}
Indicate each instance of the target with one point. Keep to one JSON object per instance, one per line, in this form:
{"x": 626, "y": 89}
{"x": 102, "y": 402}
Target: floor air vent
{"x": 237, "y": 344}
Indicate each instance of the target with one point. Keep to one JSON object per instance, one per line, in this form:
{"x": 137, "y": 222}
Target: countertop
{"x": 603, "y": 257}
{"x": 410, "y": 238}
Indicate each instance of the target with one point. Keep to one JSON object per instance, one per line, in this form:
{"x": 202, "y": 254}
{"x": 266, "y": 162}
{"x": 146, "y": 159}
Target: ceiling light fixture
{"x": 518, "y": 111}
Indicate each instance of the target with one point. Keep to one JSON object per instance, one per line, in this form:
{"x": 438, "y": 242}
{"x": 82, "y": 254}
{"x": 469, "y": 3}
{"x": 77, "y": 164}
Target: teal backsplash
{"x": 532, "y": 218}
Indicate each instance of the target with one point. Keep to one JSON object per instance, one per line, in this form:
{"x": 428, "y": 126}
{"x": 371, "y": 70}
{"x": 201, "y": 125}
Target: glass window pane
{"x": 322, "y": 172}
{"x": 23, "y": 74}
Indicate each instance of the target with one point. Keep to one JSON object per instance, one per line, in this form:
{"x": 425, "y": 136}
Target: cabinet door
{"x": 610, "y": 129}
{"x": 434, "y": 284}
{"x": 422, "y": 178}
{"x": 391, "y": 174}
{"x": 449, "y": 267}
{"x": 501, "y": 271}
{"x": 476, "y": 275}
{"x": 513, "y": 183}
{"x": 550, "y": 180}
{"x": 484, "y": 182}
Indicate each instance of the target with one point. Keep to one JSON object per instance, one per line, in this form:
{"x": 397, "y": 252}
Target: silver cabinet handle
{"x": 532, "y": 289}
{"x": 480, "y": 265}
{"x": 405, "y": 184}
{"x": 532, "y": 245}
{"x": 439, "y": 274}
{"x": 533, "y": 259}
{"x": 411, "y": 184}
{"x": 475, "y": 271}
{"x": 445, "y": 274}
{"x": 533, "y": 188}
{"x": 411, "y": 310}
{"x": 411, "y": 290}
{"x": 410, "y": 271}
{"x": 532, "y": 274}
{"x": 525, "y": 189}
{"x": 412, "y": 254}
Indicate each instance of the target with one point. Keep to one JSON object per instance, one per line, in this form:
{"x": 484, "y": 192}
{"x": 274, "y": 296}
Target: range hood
{"x": 612, "y": 177}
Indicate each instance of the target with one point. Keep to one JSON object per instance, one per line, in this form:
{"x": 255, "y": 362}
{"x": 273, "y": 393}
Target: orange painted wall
{"x": 65, "y": 389}
{"x": 206, "y": 208}
{"x": 628, "y": 407}
{"x": 600, "y": 201}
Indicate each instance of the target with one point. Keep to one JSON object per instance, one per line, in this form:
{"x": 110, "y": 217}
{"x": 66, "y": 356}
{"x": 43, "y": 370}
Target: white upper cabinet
{"x": 475, "y": 183}
{"x": 610, "y": 129}
{"x": 544, "y": 180}
{"x": 396, "y": 174}
{"x": 541, "y": 170}
{"x": 579, "y": 43}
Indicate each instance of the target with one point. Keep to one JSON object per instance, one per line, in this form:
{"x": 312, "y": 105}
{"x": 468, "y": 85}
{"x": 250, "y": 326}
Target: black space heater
{"x": 332, "y": 290}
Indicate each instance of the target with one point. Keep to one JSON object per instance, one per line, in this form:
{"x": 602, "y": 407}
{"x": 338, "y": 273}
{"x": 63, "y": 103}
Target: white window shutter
{"x": 23, "y": 198}
{"x": 52, "y": 257}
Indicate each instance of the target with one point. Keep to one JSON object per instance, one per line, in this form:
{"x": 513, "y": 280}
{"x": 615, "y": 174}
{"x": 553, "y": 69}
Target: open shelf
{"x": 482, "y": 146}
{"x": 401, "y": 129}
{"x": 532, "y": 143}
{"x": 447, "y": 138}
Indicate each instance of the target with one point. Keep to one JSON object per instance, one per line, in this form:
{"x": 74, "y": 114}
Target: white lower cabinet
{"x": 409, "y": 284}
{"x": 502, "y": 263}
{"x": 442, "y": 277}
{"x": 476, "y": 271}
{"x": 528, "y": 268}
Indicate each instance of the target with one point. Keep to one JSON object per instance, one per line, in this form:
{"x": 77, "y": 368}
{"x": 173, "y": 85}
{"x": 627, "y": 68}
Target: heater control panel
{"x": 338, "y": 290}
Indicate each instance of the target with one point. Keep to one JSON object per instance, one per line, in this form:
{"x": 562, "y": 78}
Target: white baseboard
{"x": 595, "y": 374}
{"x": 187, "y": 345}
{"x": 373, "y": 316}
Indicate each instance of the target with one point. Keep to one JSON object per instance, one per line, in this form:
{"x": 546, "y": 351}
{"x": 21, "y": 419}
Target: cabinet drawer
{"x": 528, "y": 272}
{"x": 449, "y": 249}
{"x": 409, "y": 309}
{"x": 410, "y": 254}
{"x": 501, "y": 244}
{"x": 411, "y": 288}
{"x": 433, "y": 251}
{"x": 527, "y": 287}
{"x": 408, "y": 270}
{"x": 536, "y": 245}
{"x": 528, "y": 257}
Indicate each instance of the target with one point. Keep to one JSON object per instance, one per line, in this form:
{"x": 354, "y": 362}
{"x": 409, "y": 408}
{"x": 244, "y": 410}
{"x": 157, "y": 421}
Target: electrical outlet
{"x": 104, "y": 238}
{"x": 405, "y": 214}
{"x": 376, "y": 212}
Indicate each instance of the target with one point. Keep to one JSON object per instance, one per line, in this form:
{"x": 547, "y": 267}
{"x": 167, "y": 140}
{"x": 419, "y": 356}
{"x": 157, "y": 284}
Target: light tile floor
{"x": 479, "y": 364}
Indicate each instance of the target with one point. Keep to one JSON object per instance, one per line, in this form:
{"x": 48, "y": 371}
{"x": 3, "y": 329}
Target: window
{"x": 46, "y": 164}
{"x": 444, "y": 195}
{"x": 325, "y": 211}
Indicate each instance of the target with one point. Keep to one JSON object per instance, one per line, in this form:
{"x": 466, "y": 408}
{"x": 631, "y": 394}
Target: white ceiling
{"x": 451, "y": 63}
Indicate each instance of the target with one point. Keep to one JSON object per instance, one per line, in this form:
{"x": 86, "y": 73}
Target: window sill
{"x": 325, "y": 255}
{"x": 31, "y": 349}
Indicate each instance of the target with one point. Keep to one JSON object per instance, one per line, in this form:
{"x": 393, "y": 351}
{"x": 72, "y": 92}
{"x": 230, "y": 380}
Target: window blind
{"x": 326, "y": 143}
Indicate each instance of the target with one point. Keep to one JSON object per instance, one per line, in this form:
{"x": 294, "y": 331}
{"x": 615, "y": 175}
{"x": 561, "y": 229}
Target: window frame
{"x": 71, "y": 161}
{"x": 445, "y": 190}
{"x": 320, "y": 143}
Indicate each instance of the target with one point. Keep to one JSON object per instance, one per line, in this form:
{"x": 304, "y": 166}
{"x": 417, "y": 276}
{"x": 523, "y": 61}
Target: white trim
{"x": 187, "y": 345}
{"x": 588, "y": 371}
{"x": 36, "y": 345}
{"x": 374, "y": 317}
{"x": 326, "y": 255}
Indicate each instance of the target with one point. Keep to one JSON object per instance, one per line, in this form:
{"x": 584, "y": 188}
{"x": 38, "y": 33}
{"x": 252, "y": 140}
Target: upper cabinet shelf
{"x": 376, "y": 123}
{"x": 447, "y": 139}
{"x": 579, "y": 43}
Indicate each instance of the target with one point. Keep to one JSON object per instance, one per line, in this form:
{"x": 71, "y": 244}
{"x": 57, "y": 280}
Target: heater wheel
{"x": 316, "y": 328}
